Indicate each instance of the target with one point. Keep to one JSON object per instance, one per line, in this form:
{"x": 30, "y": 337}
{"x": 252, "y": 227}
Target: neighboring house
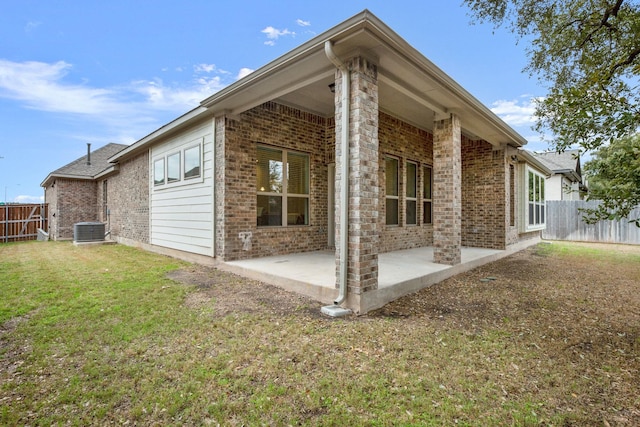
{"x": 566, "y": 182}
{"x": 353, "y": 142}
{"x": 73, "y": 192}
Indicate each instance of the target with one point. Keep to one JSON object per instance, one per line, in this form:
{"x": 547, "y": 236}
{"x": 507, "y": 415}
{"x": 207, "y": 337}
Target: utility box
{"x": 88, "y": 232}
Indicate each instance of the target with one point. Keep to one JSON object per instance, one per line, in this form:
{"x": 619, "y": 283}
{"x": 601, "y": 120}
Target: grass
{"x": 100, "y": 335}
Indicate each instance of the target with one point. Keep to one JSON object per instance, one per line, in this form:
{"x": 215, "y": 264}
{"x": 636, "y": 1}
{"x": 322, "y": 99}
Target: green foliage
{"x": 614, "y": 178}
{"x": 588, "y": 53}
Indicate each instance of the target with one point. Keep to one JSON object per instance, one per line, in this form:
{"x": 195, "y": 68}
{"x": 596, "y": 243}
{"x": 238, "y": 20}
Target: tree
{"x": 614, "y": 178}
{"x": 588, "y": 53}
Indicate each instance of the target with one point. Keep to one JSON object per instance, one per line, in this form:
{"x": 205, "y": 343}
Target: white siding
{"x": 553, "y": 188}
{"x": 181, "y": 214}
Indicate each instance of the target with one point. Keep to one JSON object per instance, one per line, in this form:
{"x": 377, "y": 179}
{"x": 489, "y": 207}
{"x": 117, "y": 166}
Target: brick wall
{"x": 512, "y": 185}
{"x": 128, "y": 200}
{"x": 283, "y": 127}
{"x": 70, "y": 201}
{"x": 364, "y": 188}
{"x": 484, "y": 195}
{"x": 219, "y": 140}
{"x": 51, "y": 197}
{"x": 447, "y": 194}
{"x": 407, "y": 143}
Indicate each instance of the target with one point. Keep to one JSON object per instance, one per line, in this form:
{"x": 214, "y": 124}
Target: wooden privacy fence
{"x": 21, "y": 222}
{"x": 564, "y": 222}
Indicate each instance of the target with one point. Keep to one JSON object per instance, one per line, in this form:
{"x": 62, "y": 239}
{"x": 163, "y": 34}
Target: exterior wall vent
{"x": 88, "y": 232}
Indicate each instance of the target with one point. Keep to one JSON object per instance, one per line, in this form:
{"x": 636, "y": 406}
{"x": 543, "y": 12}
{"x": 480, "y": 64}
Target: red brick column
{"x": 447, "y": 191}
{"x": 362, "y": 264}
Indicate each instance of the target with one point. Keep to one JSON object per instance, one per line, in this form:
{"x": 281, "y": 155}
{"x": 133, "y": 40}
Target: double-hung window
{"x": 426, "y": 195}
{"x": 282, "y": 184}
{"x": 411, "y": 190}
{"x": 392, "y": 200}
{"x": 535, "y": 200}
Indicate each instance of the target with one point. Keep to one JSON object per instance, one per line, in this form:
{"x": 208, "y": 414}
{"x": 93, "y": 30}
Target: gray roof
{"x": 559, "y": 162}
{"x": 81, "y": 169}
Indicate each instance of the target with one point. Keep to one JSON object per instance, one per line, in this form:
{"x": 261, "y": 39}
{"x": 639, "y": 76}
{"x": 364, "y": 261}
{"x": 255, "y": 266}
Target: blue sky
{"x": 78, "y": 72}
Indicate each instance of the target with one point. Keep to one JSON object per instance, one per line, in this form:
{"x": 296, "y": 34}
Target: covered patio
{"x": 400, "y": 272}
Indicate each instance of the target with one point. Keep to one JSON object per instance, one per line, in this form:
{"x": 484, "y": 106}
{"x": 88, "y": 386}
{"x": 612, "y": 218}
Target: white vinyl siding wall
{"x": 181, "y": 214}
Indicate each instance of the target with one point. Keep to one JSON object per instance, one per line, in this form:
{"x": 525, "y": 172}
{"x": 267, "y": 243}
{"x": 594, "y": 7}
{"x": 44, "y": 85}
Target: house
{"x": 353, "y": 143}
{"x": 77, "y": 192}
{"x": 566, "y": 181}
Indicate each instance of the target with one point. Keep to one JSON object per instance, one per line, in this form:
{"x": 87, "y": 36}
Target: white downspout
{"x": 344, "y": 173}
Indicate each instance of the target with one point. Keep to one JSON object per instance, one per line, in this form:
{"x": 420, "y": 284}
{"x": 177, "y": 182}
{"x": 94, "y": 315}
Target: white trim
{"x": 415, "y": 198}
{"x": 284, "y": 194}
{"x": 423, "y": 199}
{"x": 388, "y": 197}
{"x": 181, "y": 181}
{"x": 527, "y": 227}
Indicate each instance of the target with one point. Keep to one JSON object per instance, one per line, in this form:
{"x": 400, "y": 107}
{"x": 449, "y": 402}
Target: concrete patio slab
{"x": 399, "y": 273}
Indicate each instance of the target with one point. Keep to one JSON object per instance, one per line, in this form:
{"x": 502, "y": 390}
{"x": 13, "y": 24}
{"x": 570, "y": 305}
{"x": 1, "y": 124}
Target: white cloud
{"x": 515, "y": 112}
{"x": 28, "y": 199}
{"x": 302, "y": 23}
{"x": 274, "y": 34}
{"x": 127, "y": 111}
{"x": 31, "y": 26}
{"x": 39, "y": 86}
{"x": 204, "y": 68}
{"x": 244, "y": 72}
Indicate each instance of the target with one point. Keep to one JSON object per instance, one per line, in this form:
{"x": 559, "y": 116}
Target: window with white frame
{"x": 427, "y": 201}
{"x": 411, "y": 194}
{"x": 158, "y": 172}
{"x": 535, "y": 211}
{"x": 392, "y": 201}
{"x": 173, "y": 168}
{"x": 192, "y": 161}
{"x": 178, "y": 167}
{"x": 282, "y": 187}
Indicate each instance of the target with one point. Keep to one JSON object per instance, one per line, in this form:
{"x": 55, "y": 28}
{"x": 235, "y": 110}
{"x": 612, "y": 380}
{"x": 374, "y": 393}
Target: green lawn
{"x": 99, "y": 335}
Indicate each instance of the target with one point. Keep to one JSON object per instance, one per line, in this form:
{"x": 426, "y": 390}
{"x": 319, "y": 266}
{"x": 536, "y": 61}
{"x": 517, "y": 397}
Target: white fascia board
{"x": 532, "y": 160}
{"x": 176, "y": 124}
{"x": 368, "y": 23}
{"x": 53, "y": 176}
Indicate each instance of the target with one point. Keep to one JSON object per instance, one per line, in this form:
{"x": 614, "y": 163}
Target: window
{"x": 512, "y": 195}
{"x": 392, "y": 200}
{"x": 282, "y": 184}
{"x": 181, "y": 166}
{"x": 105, "y": 193}
{"x": 173, "y": 168}
{"x": 158, "y": 172}
{"x": 535, "y": 200}
{"x": 192, "y": 162}
{"x": 411, "y": 190}
{"x": 426, "y": 195}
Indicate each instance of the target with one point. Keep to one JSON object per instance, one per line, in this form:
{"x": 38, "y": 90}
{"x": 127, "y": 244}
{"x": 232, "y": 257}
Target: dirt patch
{"x": 228, "y": 293}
